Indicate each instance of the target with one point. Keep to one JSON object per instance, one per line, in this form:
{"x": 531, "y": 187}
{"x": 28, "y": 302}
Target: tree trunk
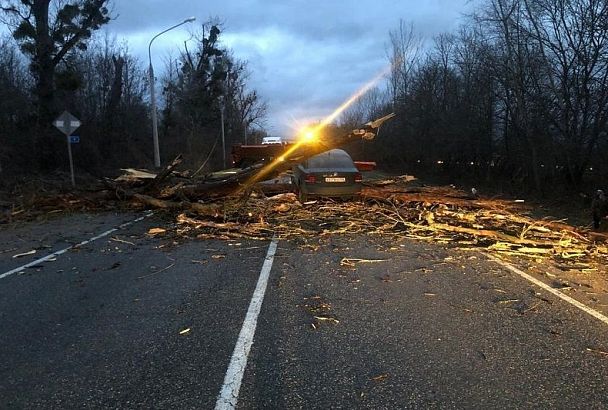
{"x": 45, "y": 69}
{"x": 116, "y": 90}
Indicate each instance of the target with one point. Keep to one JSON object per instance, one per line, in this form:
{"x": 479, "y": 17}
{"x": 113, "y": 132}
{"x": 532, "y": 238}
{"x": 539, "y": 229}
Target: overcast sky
{"x": 305, "y": 56}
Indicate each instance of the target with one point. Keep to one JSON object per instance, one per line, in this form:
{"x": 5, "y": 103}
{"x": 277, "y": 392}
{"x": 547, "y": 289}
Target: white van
{"x": 272, "y": 140}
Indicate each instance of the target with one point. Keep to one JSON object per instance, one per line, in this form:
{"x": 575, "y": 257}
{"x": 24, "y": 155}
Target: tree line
{"x": 518, "y": 97}
{"x": 56, "y": 58}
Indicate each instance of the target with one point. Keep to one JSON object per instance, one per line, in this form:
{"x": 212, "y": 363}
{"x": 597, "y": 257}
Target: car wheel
{"x": 302, "y": 196}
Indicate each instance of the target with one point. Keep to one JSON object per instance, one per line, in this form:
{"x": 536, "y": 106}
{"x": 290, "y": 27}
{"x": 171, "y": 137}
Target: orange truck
{"x": 247, "y": 155}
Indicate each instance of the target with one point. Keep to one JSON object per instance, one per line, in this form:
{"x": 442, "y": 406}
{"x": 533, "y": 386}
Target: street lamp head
{"x": 190, "y": 19}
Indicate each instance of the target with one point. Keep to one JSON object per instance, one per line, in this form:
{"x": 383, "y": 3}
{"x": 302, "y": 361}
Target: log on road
{"x": 231, "y": 182}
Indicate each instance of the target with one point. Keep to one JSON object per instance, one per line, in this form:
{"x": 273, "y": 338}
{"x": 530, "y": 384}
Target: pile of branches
{"x": 395, "y": 208}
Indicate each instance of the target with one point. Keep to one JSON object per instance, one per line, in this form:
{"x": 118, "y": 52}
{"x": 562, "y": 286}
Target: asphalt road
{"x": 134, "y": 320}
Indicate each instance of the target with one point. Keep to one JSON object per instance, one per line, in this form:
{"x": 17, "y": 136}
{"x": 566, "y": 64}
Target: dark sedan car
{"x": 330, "y": 174}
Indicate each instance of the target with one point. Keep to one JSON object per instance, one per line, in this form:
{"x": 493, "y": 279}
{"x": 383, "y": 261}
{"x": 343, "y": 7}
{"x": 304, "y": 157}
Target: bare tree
{"x": 520, "y": 93}
{"x": 205, "y": 80}
{"x": 47, "y": 31}
{"x": 515, "y": 63}
{"x": 14, "y": 107}
{"x": 403, "y": 53}
{"x": 245, "y": 107}
{"x": 572, "y": 36}
{"x": 110, "y": 101}
{"x": 371, "y": 105}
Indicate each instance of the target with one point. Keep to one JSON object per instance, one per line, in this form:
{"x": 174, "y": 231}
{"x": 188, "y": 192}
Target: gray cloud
{"x": 305, "y": 56}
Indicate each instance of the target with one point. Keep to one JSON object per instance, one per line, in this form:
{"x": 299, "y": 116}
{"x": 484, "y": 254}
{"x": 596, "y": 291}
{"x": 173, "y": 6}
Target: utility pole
{"x": 223, "y": 136}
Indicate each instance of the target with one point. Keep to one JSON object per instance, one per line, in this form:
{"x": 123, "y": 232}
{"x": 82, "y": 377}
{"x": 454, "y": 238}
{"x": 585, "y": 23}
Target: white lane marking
{"x": 229, "y": 394}
{"x": 62, "y": 251}
{"x": 549, "y": 289}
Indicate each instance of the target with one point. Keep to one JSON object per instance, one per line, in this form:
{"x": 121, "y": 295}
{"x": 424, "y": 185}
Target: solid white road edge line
{"x": 549, "y": 289}
{"x": 62, "y": 251}
{"x": 229, "y": 394}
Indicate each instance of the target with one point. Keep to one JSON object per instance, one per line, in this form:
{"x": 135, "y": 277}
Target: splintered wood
{"x": 172, "y": 190}
{"x": 438, "y": 214}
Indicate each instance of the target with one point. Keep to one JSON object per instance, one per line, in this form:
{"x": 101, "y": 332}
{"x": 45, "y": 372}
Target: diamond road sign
{"x": 67, "y": 123}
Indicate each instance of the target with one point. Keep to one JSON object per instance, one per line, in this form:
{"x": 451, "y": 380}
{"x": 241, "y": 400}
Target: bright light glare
{"x": 307, "y": 135}
{"x": 310, "y": 135}
{"x": 353, "y": 98}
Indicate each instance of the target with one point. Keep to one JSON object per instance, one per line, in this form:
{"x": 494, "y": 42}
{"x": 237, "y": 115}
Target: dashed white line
{"x": 229, "y": 393}
{"x": 62, "y": 251}
{"x": 551, "y": 290}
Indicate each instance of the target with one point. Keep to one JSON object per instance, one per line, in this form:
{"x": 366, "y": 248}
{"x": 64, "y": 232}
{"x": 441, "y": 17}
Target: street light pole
{"x": 153, "y": 94}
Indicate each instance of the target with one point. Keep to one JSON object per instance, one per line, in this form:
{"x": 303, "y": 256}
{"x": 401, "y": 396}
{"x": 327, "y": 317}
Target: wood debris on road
{"x": 21, "y": 255}
{"x": 320, "y": 311}
{"x": 233, "y": 204}
{"x": 354, "y": 261}
{"x": 439, "y": 214}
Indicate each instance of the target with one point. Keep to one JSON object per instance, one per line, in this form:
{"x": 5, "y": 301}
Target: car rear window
{"x": 331, "y": 159}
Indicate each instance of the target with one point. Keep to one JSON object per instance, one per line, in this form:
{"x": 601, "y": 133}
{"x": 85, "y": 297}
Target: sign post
{"x": 67, "y": 124}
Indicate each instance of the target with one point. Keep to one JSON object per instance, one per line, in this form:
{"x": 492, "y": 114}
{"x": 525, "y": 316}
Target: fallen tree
{"x": 231, "y": 204}
{"x": 169, "y": 186}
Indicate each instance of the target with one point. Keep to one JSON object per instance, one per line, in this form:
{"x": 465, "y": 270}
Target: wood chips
{"x": 439, "y": 214}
